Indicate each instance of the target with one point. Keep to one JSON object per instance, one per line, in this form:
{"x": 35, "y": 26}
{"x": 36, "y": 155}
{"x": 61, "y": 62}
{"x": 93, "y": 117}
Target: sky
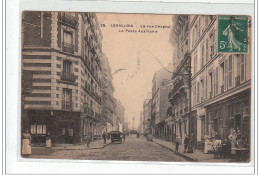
{"x": 132, "y": 55}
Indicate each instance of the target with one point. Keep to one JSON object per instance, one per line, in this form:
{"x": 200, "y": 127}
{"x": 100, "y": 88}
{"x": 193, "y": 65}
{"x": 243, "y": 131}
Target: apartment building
{"x": 107, "y": 94}
{"x": 61, "y": 51}
{"x": 179, "y": 96}
{"x": 221, "y": 84}
{"x": 159, "y": 102}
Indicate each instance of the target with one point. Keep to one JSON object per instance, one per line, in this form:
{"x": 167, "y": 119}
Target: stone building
{"x": 179, "y": 96}
{"x": 159, "y": 103}
{"x": 221, "y": 84}
{"x": 108, "y": 101}
{"x": 62, "y": 52}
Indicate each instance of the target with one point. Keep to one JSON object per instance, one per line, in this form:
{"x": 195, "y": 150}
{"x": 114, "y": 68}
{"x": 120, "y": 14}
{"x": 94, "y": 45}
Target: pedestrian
{"x": 48, "y": 140}
{"x": 124, "y": 137}
{"x": 108, "y": 136}
{"x": 176, "y": 146}
{"x": 104, "y": 137}
{"x": 26, "y": 144}
{"x": 88, "y": 139}
{"x": 186, "y": 142}
{"x": 233, "y": 137}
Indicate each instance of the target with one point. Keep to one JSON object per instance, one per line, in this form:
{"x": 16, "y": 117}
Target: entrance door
{"x": 67, "y": 132}
{"x": 238, "y": 122}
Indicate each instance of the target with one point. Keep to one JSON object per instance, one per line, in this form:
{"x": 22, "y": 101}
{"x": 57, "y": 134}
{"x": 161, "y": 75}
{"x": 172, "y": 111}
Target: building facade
{"x": 108, "y": 101}
{"x": 159, "y": 103}
{"x": 141, "y": 124}
{"x": 221, "y": 84}
{"x": 179, "y": 96}
{"x": 62, "y": 52}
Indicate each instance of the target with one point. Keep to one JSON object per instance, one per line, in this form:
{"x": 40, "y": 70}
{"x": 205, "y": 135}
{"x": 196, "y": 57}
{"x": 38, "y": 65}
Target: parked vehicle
{"x": 116, "y": 136}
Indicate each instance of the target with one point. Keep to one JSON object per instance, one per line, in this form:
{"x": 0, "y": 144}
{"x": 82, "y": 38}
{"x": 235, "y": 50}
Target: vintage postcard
{"x": 136, "y": 87}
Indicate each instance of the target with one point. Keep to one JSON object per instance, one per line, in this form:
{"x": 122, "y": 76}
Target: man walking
{"x": 104, "y": 137}
{"x": 186, "y": 142}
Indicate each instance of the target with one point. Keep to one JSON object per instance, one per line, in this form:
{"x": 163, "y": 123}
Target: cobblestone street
{"x": 133, "y": 149}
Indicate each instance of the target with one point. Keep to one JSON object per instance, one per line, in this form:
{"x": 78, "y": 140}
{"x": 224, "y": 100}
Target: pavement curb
{"x": 179, "y": 154}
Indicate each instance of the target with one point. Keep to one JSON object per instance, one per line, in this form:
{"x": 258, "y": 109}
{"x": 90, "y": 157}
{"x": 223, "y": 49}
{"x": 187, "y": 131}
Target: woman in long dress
{"x": 26, "y": 143}
{"x": 233, "y": 138}
{"x": 48, "y": 141}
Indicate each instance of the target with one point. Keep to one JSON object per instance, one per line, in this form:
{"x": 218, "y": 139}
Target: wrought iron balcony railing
{"x": 69, "y": 77}
{"x": 67, "y": 105}
{"x": 68, "y": 19}
{"x": 175, "y": 88}
{"x": 68, "y": 47}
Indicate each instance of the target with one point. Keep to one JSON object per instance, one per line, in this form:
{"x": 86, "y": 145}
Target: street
{"x": 133, "y": 149}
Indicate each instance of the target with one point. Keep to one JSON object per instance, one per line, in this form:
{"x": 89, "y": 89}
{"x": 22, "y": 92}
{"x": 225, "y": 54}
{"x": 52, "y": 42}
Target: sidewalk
{"x": 196, "y": 156}
{"x": 98, "y": 144}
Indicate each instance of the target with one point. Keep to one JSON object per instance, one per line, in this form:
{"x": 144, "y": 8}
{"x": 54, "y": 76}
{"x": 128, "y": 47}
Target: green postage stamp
{"x": 233, "y": 34}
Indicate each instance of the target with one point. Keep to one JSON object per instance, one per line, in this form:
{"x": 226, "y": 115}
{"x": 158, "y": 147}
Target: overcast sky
{"x": 123, "y": 50}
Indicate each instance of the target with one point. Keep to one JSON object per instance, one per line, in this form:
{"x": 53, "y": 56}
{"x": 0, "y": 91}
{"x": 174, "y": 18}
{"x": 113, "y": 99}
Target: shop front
{"x": 62, "y": 126}
{"x": 231, "y": 114}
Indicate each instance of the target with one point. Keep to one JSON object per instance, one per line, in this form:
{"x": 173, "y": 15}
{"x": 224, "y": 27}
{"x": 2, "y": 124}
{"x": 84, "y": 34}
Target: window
{"x": 70, "y": 132}
{"x": 67, "y": 37}
{"x": 33, "y": 129}
{"x": 212, "y": 45}
{"x": 193, "y": 37}
{"x": 38, "y": 129}
{"x": 213, "y": 83}
{"x": 216, "y": 89}
{"x": 198, "y": 92}
{"x": 206, "y": 20}
{"x": 242, "y": 78}
{"x": 195, "y": 63}
{"x": 202, "y": 90}
{"x": 210, "y": 83}
{"x": 230, "y": 71}
{"x": 207, "y": 50}
{"x": 206, "y": 86}
{"x": 202, "y": 56}
{"x": 226, "y": 74}
{"x": 195, "y": 93}
{"x": 222, "y": 77}
{"x": 67, "y": 66}
{"x": 197, "y": 33}
{"x": 67, "y": 95}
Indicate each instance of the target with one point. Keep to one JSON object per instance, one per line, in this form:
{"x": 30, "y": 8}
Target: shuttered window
{"x": 230, "y": 71}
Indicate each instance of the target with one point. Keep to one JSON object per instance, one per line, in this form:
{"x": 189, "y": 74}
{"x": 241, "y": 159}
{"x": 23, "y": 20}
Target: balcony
{"x": 68, "y": 19}
{"x": 175, "y": 89}
{"x": 69, "y": 77}
{"x": 68, "y": 47}
{"x": 237, "y": 81}
{"x": 222, "y": 88}
{"x": 67, "y": 105}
